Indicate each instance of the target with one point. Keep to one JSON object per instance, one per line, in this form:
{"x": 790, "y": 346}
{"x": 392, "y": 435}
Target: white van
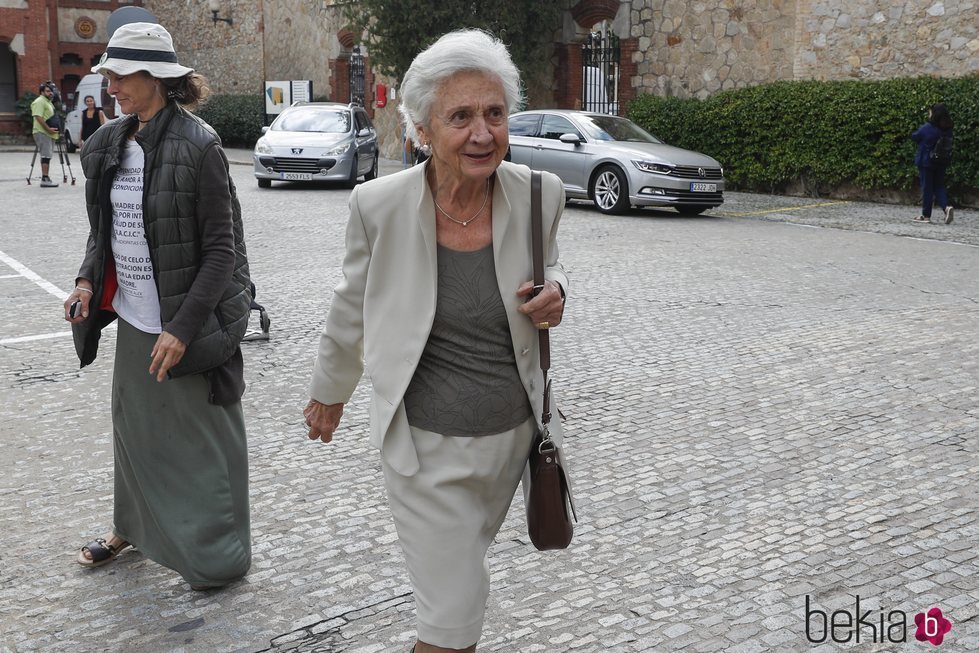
{"x": 95, "y": 85}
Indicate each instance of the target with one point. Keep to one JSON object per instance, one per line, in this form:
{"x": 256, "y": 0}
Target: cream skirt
{"x": 447, "y": 515}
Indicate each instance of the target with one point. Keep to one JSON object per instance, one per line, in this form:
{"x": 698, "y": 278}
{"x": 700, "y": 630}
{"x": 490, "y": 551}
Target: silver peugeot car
{"x": 317, "y": 141}
{"x": 614, "y": 162}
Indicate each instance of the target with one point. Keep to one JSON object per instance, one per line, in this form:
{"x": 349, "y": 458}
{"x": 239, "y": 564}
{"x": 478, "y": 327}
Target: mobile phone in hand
{"x": 75, "y": 310}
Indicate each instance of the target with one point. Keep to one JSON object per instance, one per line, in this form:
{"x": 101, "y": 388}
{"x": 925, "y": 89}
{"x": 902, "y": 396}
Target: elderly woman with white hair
{"x": 438, "y": 303}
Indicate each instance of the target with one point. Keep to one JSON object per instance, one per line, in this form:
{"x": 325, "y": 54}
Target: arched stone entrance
{"x": 580, "y": 21}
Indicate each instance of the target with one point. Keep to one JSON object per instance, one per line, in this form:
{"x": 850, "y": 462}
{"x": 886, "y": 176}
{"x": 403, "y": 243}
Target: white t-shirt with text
{"x": 137, "y": 300}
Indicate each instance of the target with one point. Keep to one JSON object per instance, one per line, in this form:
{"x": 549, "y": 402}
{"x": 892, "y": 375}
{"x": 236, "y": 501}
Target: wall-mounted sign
{"x": 85, "y": 27}
{"x": 279, "y": 95}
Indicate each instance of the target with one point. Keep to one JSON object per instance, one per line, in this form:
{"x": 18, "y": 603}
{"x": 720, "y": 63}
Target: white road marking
{"x": 24, "y": 271}
{"x": 43, "y": 336}
{"x": 28, "y": 273}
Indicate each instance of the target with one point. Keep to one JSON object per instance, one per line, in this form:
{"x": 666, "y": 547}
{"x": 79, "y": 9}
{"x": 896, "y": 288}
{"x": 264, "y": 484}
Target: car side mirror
{"x": 265, "y": 128}
{"x": 571, "y": 139}
{"x": 364, "y": 132}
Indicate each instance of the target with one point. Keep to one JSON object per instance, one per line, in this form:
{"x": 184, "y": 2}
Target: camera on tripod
{"x": 56, "y": 121}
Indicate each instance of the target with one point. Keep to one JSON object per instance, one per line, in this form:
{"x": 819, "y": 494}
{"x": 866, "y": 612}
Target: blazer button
{"x": 525, "y": 351}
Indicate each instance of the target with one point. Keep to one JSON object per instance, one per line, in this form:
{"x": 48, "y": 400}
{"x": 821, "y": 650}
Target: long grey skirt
{"x": 181, "y": 469}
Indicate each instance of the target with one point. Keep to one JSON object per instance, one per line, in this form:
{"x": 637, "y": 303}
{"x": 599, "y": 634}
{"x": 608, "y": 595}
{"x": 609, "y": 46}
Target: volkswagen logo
{"x": 299, "y": 150}
{"x": 700, "y": 171}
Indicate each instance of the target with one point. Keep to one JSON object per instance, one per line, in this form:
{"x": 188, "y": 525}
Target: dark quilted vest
{"x": 174, "y": 146}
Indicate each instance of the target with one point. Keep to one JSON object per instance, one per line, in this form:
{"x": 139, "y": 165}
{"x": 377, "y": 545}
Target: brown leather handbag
{"x": 550, "y": 508}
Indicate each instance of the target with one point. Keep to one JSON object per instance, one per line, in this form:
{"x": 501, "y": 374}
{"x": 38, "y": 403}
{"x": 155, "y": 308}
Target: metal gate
{"x": 600, "y": 55}
{"x": 357, "y": 76}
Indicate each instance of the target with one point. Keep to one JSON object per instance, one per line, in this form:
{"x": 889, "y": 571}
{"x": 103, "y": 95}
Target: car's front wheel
{"x": 610, "y": 190}
{"x": 372, "y": 173}
{"x": 352, "y": 179}
{"x": 265, "y": 183}
{"x": 691, "y": 209}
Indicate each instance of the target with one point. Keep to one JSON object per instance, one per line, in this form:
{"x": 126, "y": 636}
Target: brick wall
{"x": 41, "y": 32}
{"x": 26, "y": 29}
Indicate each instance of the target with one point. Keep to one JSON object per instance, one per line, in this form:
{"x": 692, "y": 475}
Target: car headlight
{"x": 263, "y": 147}
{"x": 339, "y": 150}
{"x": 652, "y": 166}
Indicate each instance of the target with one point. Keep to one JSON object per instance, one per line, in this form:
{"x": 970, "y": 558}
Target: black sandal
{"x": 101, "y": 552}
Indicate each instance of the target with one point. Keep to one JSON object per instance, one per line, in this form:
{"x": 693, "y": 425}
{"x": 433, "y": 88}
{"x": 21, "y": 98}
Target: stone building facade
{"x": 230, "y": 55}
{"x": 684, "y": 48}
{"x": 275, "y": 40}
{"x": 695, "y": 49}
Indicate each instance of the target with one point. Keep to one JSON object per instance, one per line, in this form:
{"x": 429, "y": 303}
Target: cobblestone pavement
{"x": 759, "y": 414}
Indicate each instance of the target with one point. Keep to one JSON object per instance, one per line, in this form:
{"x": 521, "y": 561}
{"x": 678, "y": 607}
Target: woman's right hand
{"x": 82, "y": 293}
{"x": 322, "y": 419}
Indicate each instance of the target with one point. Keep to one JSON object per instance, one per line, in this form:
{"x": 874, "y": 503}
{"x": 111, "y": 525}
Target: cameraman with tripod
{"x": 45, "y": 134}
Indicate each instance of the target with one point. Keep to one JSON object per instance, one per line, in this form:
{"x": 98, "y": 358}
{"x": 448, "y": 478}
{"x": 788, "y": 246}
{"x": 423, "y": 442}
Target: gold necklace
{"x": 465, "y": 223}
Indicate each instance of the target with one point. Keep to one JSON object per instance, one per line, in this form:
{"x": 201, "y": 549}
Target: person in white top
{"x": 166, "y": 260}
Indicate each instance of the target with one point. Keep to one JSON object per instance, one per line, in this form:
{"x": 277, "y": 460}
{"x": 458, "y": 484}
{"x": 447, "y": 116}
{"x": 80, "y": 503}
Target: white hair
{"x": 460, "y": 51}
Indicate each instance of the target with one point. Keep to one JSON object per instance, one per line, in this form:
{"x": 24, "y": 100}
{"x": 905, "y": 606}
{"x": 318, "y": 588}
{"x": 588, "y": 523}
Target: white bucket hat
{"x": 141, "y": 46}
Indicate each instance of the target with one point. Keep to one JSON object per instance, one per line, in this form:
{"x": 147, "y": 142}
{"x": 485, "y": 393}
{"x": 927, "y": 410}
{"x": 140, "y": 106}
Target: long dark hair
{"x": 940, "y": 116}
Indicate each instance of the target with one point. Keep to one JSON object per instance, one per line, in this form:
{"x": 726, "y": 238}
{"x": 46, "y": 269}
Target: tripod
{"x": 62, "y": 159}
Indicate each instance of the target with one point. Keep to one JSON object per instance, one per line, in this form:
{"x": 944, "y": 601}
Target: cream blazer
{"x": 383, "y": 308}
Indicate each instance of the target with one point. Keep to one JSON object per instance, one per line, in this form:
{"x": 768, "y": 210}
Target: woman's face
{"x": 467, "y": 129}
{"x": 89, "y": 101}
{"x": 135, "y": 93}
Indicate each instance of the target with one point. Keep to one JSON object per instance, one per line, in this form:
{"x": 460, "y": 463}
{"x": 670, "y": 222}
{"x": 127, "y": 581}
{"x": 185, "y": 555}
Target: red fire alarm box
{"x": 381, "y": 96}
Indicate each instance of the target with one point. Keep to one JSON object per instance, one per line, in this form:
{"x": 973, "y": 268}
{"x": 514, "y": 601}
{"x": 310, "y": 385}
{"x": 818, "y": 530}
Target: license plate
{"x": 700, "y": 187}
{"x": 296, "y": 176}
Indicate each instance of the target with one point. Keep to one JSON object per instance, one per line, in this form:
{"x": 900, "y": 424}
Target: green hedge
{"x": 822, "y": 134}
{"x": 23, "y": 110}
{"x": 237, "y": 119}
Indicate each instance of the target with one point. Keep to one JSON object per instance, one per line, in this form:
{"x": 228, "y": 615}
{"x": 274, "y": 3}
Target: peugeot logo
{"x": 700, "y": 171}
{"x": 299, "y": 150}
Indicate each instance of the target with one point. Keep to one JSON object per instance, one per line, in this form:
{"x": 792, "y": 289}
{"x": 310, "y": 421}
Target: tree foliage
{"x": 23, "y": 110}
{"x": 399, "y": 30}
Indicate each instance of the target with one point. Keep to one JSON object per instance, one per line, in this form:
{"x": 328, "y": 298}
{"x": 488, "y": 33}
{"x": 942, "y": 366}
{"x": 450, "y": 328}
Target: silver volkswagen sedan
{"x": 614, "y": 162}
{"x": 317, "y": 141}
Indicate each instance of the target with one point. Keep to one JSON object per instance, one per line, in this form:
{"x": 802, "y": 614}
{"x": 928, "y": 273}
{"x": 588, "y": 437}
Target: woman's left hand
{"x": 544, "y": 310}
{"x": 167, "y": 352}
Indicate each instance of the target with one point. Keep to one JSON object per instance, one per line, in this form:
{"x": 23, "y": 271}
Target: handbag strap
{"x": 537, "y": 243}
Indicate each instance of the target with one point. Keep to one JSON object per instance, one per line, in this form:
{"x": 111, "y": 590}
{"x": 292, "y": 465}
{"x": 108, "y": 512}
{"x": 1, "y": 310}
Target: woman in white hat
{"x": 166, "y": 256}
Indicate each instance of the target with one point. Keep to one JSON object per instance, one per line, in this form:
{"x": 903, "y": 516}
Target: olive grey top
{"x": 466, "y": 383}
